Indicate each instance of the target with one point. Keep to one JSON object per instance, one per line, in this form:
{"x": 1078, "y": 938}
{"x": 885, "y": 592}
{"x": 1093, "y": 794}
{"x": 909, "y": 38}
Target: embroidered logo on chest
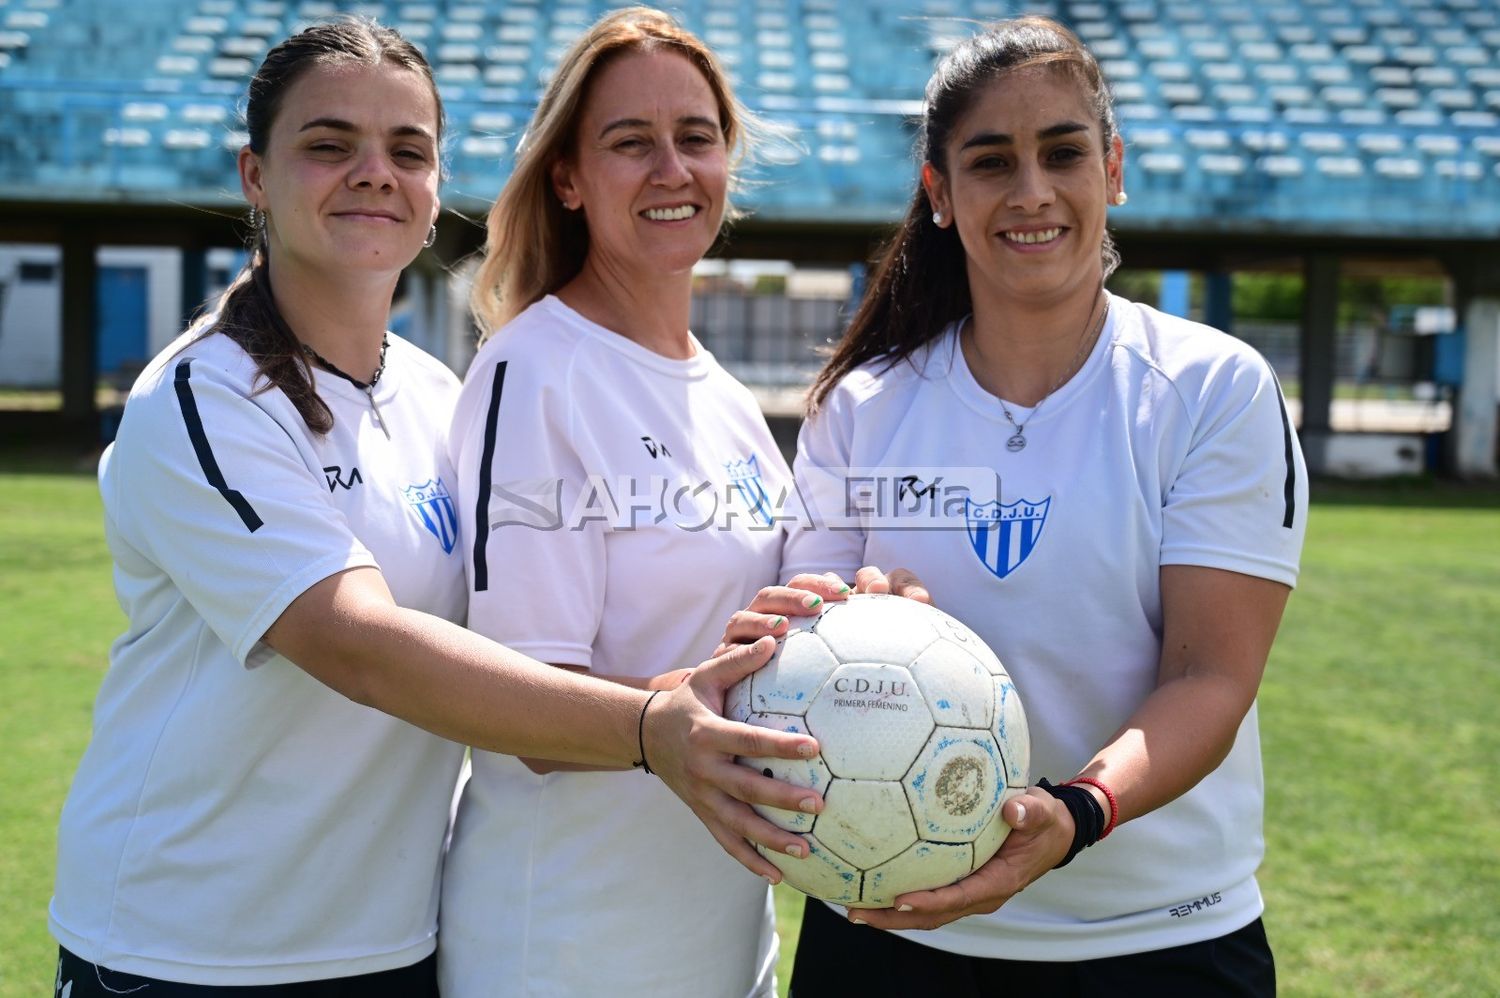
{"x": 432, "y": 503}
{"x": 1003, "y": 535}
{"x": 744, "y": 477}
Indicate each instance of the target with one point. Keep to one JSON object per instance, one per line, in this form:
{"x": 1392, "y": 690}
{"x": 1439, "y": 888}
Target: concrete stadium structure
{"x": 1320, "y": 136}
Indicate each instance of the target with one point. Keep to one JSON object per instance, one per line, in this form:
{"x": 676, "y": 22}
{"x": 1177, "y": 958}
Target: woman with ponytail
{"x": 276, "y": 742}
{"x": 1114, "y": 501}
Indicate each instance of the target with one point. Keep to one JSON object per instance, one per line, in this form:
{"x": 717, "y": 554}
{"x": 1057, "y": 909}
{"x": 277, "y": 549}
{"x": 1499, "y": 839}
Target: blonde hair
{"x": 533, "y": 245}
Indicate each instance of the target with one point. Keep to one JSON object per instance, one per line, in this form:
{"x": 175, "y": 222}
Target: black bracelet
{"x": 640, "y": 737}
{"x": 1088, "y": 817}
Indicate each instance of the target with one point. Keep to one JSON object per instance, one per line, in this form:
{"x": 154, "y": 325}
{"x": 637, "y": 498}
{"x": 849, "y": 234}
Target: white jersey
{"x": 1170, "y": 446}
{"x": 234, "y": 821}
{"x": 627, "y": 500}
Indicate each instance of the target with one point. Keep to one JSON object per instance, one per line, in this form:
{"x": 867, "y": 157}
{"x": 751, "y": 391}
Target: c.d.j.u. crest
{"x": 432, "y": 503}
{"x": 745, "y": 476}
{"x": 1004, "y": 535}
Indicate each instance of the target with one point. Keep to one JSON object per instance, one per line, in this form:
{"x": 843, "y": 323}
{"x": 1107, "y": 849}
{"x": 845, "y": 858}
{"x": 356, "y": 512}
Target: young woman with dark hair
{"x": 1121, "y": 519}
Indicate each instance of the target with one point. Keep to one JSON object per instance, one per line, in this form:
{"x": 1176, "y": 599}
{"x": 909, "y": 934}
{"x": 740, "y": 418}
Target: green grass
{"x": 58, "y": 619}
{"x": 1378, "y": 715}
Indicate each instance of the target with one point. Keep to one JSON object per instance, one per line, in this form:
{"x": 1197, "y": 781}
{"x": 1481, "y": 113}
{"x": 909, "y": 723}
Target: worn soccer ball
{"x": 923, "y": 739}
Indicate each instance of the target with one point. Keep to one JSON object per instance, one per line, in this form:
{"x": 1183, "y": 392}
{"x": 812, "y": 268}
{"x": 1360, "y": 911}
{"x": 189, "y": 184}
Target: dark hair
{"x": 247, "y": 312}
{"x": 920, "y": 283}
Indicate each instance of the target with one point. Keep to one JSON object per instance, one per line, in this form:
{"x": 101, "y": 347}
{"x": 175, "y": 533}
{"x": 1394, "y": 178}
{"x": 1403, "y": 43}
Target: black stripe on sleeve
{"x": 1289, "y": 490}
{"x": 482, "y": 504}
{"x": 205, "y": 453}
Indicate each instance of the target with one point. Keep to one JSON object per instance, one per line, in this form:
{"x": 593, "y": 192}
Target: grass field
{"x": 1378, "y": 713}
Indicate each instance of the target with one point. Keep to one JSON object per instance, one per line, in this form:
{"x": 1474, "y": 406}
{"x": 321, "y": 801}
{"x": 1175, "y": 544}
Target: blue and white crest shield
{"x": 1004, "y": 535}
{"x": 745, "y": 476}
{"x": 433, "y": 504}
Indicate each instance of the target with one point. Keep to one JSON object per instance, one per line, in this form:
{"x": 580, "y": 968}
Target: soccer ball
{"x": 923, "y": 739}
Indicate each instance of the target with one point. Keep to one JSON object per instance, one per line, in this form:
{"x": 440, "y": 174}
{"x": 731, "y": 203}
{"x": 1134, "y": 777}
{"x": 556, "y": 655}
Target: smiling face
{"x": 650, "y": 168}
{"x": 1027, "y": 182}
{"x": 349, "y": 175}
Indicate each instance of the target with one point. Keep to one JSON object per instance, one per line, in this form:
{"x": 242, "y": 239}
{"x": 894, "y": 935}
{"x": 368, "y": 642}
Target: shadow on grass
{"x": 27, "y": 457}
{"x": 1418, "y": 491}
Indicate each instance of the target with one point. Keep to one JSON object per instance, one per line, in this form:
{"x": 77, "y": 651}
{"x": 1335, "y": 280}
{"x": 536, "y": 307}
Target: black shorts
{"x": 89, "y": 981}
{"x": 836, "y": 958}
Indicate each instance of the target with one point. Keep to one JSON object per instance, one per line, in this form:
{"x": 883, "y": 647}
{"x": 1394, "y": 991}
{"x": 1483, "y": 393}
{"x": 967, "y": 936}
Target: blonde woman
{"x": 612, "y": 468}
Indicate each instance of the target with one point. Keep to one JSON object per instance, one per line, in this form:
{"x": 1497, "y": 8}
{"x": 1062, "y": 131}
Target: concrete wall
{"x": 31, "y": 326}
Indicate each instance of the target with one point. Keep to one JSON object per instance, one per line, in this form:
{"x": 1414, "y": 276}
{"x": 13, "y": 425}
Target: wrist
{"x": 642, "y": 762}
{"x": 1104, "y": 798}
{"x": 1089, "y": 818}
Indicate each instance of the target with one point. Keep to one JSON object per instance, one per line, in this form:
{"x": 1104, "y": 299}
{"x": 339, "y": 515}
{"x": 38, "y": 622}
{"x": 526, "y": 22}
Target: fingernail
{"x": 768, "y": 879}
{"x": 777, "y": 622}
{"x": 807, "y": 804}
{"x": 794, "y": 851}
{"x": 843, "y": 588}
{"x": 857, "y": 921}
{"x": 811, "y": 600}
{"x": 1020, "y": 813}
{"x": 904, "y": 907}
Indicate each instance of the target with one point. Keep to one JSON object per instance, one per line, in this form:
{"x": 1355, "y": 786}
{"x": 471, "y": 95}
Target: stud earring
{"x": 1121, "y": 198}
{"x": 937, "y": 219}
{"x": 431, "y": 238}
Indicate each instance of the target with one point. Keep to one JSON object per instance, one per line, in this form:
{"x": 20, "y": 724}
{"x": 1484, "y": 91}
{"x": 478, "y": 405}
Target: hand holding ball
{"x": 923, "y": 739}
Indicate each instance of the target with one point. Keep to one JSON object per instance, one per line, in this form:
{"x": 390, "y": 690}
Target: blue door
{"x": 122, "y": 319}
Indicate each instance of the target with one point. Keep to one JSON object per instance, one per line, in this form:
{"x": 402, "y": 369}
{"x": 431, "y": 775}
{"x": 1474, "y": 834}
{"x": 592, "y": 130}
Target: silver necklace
{"x": 368, "y": 387}
{"x": 1017, "y": 440}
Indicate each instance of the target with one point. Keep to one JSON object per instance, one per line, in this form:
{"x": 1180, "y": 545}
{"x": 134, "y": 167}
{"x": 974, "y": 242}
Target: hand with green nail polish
{"x": 774, "y": 609}
{"x": 897, "y": 582}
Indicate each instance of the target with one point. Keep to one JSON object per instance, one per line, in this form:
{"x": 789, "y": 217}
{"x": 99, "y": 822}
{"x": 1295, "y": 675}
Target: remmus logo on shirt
{"x": 431, "y": 502}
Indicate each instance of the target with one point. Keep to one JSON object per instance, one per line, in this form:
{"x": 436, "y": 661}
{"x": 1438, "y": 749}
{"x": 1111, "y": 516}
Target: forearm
{"x": 1178, "y": 735}
{"x": 347, "y": 633}
{"x": 1217, "y": 634}
{"x": 542, "y": 766}
{"x": 482, "y": 694}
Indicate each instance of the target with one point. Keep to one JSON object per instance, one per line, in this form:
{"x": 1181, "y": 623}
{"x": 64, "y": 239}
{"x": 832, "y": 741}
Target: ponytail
{"x": 920, "y": 285}
{"x": 247, "y": 314}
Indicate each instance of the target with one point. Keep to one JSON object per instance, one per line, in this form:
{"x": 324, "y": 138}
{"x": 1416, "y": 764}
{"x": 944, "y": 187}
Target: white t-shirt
{"x": 1170, "y": 446}
{"x": 626, "y": 498}
{"x": 234, "y": 821}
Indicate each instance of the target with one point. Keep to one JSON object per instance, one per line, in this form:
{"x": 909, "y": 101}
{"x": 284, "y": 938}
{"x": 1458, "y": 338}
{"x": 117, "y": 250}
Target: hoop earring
{"x": 431, "y": 238}
{"x": 257, "y": 219}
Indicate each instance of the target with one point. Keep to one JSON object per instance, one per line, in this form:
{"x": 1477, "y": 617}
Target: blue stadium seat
{"x": 1315, "y": 106}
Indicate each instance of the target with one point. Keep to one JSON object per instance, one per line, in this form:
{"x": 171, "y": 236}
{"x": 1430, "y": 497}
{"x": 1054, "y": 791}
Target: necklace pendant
{"x": 1016, "y": 442}
{"x": 379, "y": 416}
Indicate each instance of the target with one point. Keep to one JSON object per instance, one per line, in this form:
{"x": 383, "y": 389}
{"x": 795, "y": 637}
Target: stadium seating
{"x": 1353, "y": 116}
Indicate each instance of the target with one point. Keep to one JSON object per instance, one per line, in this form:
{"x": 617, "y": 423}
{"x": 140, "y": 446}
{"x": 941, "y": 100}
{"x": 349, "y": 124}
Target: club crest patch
{"x": 1003, "y": 535}
{"x": 434, "y": 505}
{"x": 745, "y": 477}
